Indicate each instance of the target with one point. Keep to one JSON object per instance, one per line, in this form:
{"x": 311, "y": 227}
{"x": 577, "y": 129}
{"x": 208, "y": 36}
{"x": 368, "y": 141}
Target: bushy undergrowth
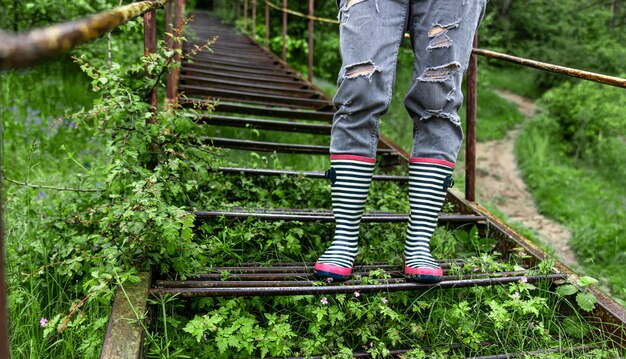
{"x": 515, "y": 317}
{"x": 571, "y": 159}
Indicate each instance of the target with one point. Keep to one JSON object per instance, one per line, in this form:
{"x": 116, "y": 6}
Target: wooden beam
{"x": 124, "y": 336}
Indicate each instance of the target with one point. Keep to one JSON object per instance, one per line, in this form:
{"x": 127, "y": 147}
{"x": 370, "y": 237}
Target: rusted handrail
{"x": 24, "y": 49}
{"x": 563, "y": 70}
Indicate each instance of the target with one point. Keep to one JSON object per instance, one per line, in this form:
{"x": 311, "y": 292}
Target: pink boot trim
{"x": 423, "y": 271}
{"x": 333, "y": 269}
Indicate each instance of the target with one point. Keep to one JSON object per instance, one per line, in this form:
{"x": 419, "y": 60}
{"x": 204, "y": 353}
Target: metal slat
{"x": 251, "y": 85}
{"x": 311, "y": 174}
{"x": 345, "y": 289}
{"x": 240, "y": 108}
{"x": 284, "y": 126}
{"x": 293, "y": 82}
{"x": 230, "y": 69}
{"x": 271, "y": 279}
{"x": 327, "y": 216}
{"x": 244, "y": 96}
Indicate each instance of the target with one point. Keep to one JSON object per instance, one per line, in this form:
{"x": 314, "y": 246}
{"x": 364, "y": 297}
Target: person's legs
{"x": 370, "y": 35}
{"x": 442, "y": 34}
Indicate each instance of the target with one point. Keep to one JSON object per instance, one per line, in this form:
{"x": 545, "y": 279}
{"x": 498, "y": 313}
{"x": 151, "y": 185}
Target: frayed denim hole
{"x": 362, "y": 69}
{"x": 440, "y": 42}
{"x": 440, "y": 73}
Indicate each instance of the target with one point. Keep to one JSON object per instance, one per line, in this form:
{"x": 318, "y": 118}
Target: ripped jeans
{"x": 371, "y": 32}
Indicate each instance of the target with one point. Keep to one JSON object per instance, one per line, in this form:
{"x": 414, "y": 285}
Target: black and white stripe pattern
{"x": 349, "y": 194}
{"x": 427, "y": 192}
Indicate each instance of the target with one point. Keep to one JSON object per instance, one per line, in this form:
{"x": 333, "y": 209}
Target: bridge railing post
{"x": 170, "y": 92}
{"x": 267, "y": 25}
{"x": 245, "y": 16}
{"x": 173, "y": 74}
{"x": 253, "y": 19}
{"x": 470, "y": 140}
{"x": 311, "y": 27}
{"x": 285, "y": 30}
{"x": 149, "y": 44}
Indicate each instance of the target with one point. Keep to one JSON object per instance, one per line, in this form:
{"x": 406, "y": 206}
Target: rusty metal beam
{"x": 267, "y": 79}
{"x": 149, "y": 45}
{"x": 277, "y": 146}
{"x": 248, "y": 85}
{"x": 327, "y": 216}
{"x": 24, "y": 49}
{"x": 179, "y": 12}
{"x": 344, "y": 289}
{"x": 124, "y": 336}
{"x": 253, "y": 97}
{"x": 231, "y": 107}
{"x": 311, "y": 28}
{"x": 284, "y": 31}
{"x": 284, "y": 126}
{"x": 567, "y": 71}
{"x": 305, "y": 278}
{"x": 170, "y": 87}
{"x": 318, "y": 175}
{"x": 470, "y": 124}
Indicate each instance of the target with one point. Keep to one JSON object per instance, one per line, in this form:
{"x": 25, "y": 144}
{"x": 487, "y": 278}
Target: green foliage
{"x": 23, "y": 15}
{"x": 582, "y": 34}
{"x": 588, "y": 200}
{"x": 587, "y": 114}
{"x": 157, "y": 161}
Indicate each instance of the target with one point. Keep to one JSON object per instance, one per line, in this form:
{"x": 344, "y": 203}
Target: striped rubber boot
{"x": 350, "y": 177}
{"x": 429, "y": 180}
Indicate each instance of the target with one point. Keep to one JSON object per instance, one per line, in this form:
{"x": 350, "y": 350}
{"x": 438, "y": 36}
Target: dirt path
{"x": 500, "y": 183}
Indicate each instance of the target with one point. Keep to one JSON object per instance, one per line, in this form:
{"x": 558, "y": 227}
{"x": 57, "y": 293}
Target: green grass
{"x": 590, "y": 204}
{"x": 517, "y": 79}
{"x": 44, "y": 148}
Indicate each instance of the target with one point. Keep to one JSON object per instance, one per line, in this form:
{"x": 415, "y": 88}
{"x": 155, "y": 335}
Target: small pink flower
{"x": 357, "y": 294}
{"x": 329, "y": 280}
{"x": 43, "y": 322}
{"x": 531, "y": 325}
{"x": 324, "y": 301}
{"x": 384, "y": 300}
{"x": 516, "y": 295}
{"x": 476, "y": 269}
{"x": 523, "y": 279}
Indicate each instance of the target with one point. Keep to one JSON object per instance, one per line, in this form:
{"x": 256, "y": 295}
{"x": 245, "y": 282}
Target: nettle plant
{"x": 157, "y": 160}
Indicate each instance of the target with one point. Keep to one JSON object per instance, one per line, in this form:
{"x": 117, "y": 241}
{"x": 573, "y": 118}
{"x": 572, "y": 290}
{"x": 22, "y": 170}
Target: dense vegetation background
{"x": 571, "y": 152}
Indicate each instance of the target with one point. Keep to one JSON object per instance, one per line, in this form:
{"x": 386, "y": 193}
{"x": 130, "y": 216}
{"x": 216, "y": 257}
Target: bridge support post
{"x": 285, "y": 30}
{"x": 267, "y": 26}
{"x": 149, "y": 42}
{"x": 253, "y": 19}
{"x": 245, "y": 15}
{"x": 311, "y": 27}
{"x": 170, "y": 91}
{"x": 470, "y": 141}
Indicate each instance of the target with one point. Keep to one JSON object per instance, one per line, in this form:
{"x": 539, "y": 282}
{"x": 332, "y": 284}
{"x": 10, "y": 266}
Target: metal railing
{"x": 28, "y": 48}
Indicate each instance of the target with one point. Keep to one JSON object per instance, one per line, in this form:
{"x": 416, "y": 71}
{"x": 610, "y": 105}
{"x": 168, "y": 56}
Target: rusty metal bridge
{"x": 258, "y": 90}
